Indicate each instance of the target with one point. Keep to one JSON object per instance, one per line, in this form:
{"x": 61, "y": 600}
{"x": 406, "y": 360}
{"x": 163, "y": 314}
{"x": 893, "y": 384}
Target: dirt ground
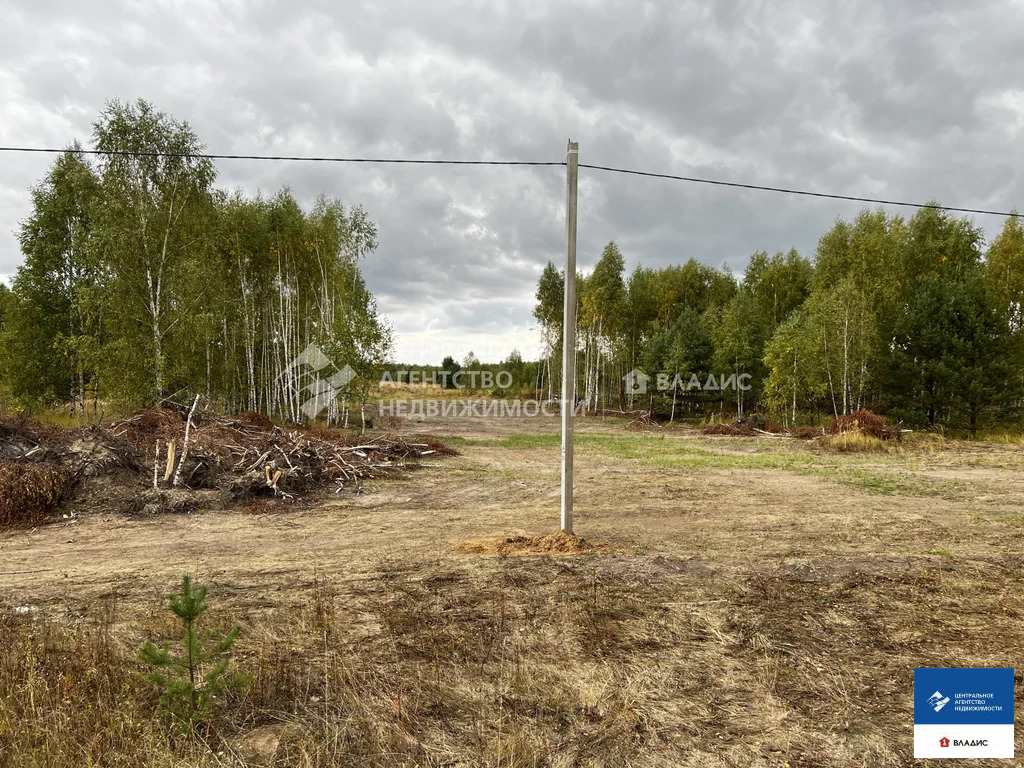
{"x": 743, "y": 601}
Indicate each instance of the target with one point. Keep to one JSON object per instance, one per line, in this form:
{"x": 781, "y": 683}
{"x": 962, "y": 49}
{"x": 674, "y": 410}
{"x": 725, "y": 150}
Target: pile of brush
{"x": 160, "y": 458}
{"x": 866, "y": 423}
{"x": 249, "y": 455}
{"x": 642, "y": 421}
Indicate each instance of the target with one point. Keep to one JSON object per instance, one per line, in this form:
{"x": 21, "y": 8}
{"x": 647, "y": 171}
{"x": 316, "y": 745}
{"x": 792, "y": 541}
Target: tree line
{"x": 142, "y": 282}
{"x": 910, "y": 317}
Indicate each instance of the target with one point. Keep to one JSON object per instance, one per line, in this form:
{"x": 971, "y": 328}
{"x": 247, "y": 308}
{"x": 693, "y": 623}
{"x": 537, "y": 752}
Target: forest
{"x": 913, "y": 318}
{"x": 143, "y": 283}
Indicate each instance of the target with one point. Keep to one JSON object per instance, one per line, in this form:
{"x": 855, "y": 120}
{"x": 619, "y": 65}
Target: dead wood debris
{"x": 755, "y": 425}
{"x": 249, "y": 458}
{"x": 643, "y": 421}
{"x": 145, "y": 457}
{"x": 865, "y": 422}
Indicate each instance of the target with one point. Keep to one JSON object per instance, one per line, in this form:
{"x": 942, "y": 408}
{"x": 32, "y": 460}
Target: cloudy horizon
{"x": 916, "y": 102}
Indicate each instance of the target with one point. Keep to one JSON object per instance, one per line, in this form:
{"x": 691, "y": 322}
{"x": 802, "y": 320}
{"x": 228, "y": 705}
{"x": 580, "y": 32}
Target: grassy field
{"x": 743, "y": 602}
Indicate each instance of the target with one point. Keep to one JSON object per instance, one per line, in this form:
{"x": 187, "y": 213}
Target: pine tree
{"x": 193, "y": 682}
{"x": 450, "y": 368}
{"x": 739, "y": 332}
{"x": 689, "y": 353}
{"x": 951, "y": 362}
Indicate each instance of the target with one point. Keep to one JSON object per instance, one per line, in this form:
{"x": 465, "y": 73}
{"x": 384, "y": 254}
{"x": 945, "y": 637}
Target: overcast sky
{"x": 912, "y": 100}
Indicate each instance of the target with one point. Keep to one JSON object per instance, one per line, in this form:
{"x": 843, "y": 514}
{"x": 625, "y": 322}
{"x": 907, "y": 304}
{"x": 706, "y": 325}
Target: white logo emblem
{"x": 938, "y": 701}
{"x": 636, "y": 382}
{"x": 323, "y": 388}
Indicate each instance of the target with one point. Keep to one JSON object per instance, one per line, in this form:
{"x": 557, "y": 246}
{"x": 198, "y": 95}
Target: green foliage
{"x": 48, "y": 344}
{"x": 152, "y": 232}
{"x": 141, "y": 282}
{"x": 847, "y": 337}
{"x": 603, "y": 292}
{"x": 194, "y": 681}
{"x": 779, "y": 284}
{"x": 795, "y": 363}
{"x": 739, "y": 332}
{"x": 6, "y": 303}
{"x": 832, "y": 334}
{"x": 1005, "y": 271}
{"x": 550, "y": 294}
{"x": 516, "y": 368}
{"x": 682, "y": 351}
{"x": 939, "y": 246}
{"x": 450, "y": 367}
{"x": 951, "y": 356}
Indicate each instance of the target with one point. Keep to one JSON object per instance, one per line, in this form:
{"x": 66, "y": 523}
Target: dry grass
{"x": 853, "y": 441}
{"x": 554, "y": 543}
{"x": 525, "y": 662}
{"x": 925, "y": 442}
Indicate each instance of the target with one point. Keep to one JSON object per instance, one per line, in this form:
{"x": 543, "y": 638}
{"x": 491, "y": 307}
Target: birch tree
{"x": 548, "y": 313}
{"x": 155, "y": 202}
{"x": 796, "y": 378}
{"x": 844, "y": 325}
{"x": 53, "y": 329}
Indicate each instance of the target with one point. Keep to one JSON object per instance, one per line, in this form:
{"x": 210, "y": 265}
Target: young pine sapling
{"x": 193, "y": 682}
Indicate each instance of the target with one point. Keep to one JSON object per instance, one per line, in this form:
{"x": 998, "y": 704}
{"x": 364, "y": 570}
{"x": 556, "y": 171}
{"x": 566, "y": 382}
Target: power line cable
{"x": 535, "y": 163}
{"x": 803, "y": 192}
{"x": 299, "y": 158}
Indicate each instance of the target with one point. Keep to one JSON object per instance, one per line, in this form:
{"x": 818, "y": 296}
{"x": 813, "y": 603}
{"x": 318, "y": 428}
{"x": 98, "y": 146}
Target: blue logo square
{"x": 978, "y": 696}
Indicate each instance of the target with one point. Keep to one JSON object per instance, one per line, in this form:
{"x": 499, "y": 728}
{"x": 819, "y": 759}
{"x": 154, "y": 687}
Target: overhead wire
{"x": 803, "y": 192}
{"x": 534, "y": 163}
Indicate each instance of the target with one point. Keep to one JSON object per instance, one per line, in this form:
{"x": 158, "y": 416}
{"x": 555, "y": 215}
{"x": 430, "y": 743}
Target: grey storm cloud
{"x": 916, "y": 100}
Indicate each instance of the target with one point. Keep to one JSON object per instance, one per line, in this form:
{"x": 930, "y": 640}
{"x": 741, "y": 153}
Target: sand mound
{"x": 554, "y": 543}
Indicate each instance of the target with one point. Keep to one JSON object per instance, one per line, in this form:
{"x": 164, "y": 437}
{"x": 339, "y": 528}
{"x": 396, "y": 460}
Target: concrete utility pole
{"x": 569, "y": 332}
